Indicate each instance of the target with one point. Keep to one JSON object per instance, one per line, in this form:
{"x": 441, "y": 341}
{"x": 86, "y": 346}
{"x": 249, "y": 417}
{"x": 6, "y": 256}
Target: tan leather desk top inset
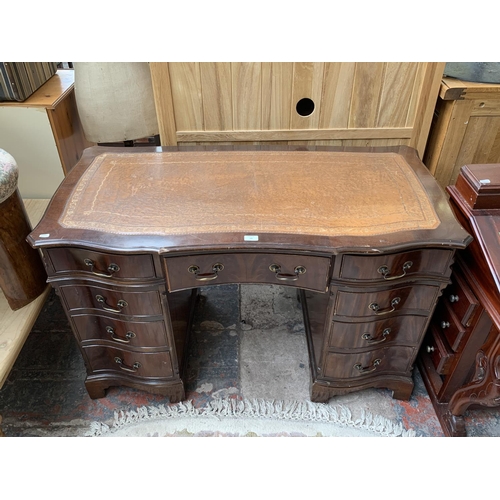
{"x": 320, "y": 193}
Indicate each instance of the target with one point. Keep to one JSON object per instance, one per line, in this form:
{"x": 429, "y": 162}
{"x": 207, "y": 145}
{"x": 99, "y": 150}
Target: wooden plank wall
{"x": 355, "y": 104}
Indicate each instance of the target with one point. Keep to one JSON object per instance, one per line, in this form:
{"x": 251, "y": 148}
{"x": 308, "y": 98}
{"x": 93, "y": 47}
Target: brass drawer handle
{"x": 126, "y": 340}
{"x": 453, "y": 298}
{"x": 216, "y": 268}
{"x": 385, "y": 271}
{"x": 276, "y": 268}
{"x": 445, "y": 324}
{"x": 102, "y": 300}
{"x": 370, "y": 340}
{"x": 125, "y": 368}
{"x": 112, "y": 268}
{"x": 376, "y": 308}
{"x": 367, "y": 369}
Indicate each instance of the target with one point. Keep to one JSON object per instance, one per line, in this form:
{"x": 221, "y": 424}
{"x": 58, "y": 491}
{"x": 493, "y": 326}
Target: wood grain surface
{"x": 257, "y": 101}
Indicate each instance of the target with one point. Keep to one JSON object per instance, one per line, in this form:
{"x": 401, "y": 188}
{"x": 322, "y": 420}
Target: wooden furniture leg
{"x": 484, "y": 389}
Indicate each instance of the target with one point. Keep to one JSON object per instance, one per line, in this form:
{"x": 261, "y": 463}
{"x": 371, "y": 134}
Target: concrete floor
{"x": 247, "y": 342}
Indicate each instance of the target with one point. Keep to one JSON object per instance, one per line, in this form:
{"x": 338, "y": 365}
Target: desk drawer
{"x": 347, "y": 366}
{"x": 137, "y": 364}
{"x": 96, "y": 328}
{"x": 100, "y": 264}
{"x": 303, "y": 271}
{"x": 140, "y": 302}
{"x": 405, "y": 330}
{"x": 391, "y": 267}
{"x": 384, "y": 302}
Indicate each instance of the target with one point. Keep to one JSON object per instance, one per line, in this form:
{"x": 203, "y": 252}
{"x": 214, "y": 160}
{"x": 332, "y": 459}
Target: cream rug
{"x": 247, "y": 418}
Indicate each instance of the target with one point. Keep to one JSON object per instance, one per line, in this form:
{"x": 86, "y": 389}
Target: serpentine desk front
{"x": 367, "y": 237}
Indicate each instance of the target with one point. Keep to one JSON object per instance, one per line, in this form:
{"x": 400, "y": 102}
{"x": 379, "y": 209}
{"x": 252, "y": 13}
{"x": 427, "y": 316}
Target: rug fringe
{"x": 256, "y": 408}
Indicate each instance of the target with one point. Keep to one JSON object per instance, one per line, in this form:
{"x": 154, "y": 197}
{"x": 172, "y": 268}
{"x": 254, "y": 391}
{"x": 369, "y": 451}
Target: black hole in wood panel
{"x": 305, "y": 106}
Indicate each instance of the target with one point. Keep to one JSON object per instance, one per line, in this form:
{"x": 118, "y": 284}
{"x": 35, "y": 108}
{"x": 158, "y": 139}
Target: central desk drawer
{"x": 303, "y": 271}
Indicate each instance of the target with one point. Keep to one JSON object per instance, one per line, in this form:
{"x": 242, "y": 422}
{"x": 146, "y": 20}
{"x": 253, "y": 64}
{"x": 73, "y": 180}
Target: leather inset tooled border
{"x": 296, "y": 192}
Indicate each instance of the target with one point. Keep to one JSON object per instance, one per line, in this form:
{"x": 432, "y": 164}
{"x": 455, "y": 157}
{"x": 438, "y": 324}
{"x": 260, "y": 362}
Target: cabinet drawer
{"x": 139, "y": 364}
{"x": 406, "y": 330}
{"x": 140, "y": 302}
{"x": 445, "y": 321}
{"x": 384, "y": 302}
{"x": 460, "y": 298}
{"x": 99, "y": 264}
{"x": 391, "y": 267}
{"x": 92, "y": 328}
{"x": 303, "y": 271}
{"x": 438, "y": 350}
{"x": 382, "y": 360}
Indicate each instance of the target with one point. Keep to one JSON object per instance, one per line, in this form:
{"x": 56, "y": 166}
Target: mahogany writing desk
{"x": 367, "y": 236}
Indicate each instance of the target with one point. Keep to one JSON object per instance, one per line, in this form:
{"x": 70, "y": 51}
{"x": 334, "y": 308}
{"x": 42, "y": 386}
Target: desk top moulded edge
{"x": 448, "y": 233}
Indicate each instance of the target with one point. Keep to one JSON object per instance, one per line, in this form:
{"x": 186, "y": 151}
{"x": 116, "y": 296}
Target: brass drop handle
{"x": 125, "y": 368}
{"x": 430, "y": 348}
{"x": 102, "y": 300}
{"x": 453, "y": 298}
{"x": 367, "y": 369}
{"x": 386, "y": 272}
{"x": 379, "y": 312}
{"x": 126, "y": 340}
{"x": 276, "y": 268}
{"x": 112, "y": 268}
{"x": 445, "y": 324}
{"x": 216, "y": 268}
{"x": 370, "y": 340}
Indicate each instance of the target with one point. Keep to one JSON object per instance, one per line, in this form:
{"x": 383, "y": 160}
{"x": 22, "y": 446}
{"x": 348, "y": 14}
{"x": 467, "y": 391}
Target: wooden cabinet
{"x": 297, "y": 103}
{"x": 130, "y": 235}
{"x": 465, "y": 128}
{"x": 459, "y": 358}
{"x": 44, "y": 135}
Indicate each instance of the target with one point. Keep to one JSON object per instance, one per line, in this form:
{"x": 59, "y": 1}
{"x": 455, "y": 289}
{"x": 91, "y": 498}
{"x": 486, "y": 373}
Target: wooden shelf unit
{"x": 44, "y": 135}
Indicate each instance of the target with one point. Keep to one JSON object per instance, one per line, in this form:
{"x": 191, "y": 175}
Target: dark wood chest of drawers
{"x": 459, "y": 359}
{"x": 366, "y": 236}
